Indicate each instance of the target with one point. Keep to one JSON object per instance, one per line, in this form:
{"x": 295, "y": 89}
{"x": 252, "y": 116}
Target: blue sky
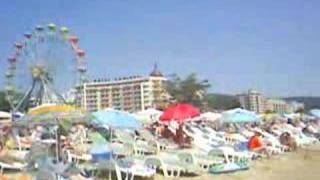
{"x": 272, "y": 46}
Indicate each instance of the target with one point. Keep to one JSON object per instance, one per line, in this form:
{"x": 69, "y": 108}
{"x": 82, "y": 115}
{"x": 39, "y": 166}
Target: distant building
{"x": 252, "y": 101}
{"x": 130, "y": 94}
{"x": 277, "y": 106}
{"x": 257, "y": 102}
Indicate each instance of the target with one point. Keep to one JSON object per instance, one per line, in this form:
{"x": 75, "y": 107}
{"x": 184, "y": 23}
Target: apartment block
{"x": 133, "y": 93}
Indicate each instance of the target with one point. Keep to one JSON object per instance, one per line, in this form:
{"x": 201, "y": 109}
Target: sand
{"x": 301, "y": 165}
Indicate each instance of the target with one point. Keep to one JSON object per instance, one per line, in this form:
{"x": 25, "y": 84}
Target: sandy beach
{"x": 301, "y": 165}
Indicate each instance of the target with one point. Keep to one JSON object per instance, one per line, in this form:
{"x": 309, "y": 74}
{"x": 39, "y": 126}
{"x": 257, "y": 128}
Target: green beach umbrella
{"x": 52, "y": 26}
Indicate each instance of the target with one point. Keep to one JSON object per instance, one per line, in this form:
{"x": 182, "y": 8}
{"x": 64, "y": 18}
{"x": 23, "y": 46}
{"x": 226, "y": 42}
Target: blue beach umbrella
{"x": 239, "y": 116}
{"x": 115, "y": 119}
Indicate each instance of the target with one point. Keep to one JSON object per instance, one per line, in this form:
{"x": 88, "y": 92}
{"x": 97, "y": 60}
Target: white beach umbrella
{"x": 148, "y": 115}
{"x": 210, "y": 116}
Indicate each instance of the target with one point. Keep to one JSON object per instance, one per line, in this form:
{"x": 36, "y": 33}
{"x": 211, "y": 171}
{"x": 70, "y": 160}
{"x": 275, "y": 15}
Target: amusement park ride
{"x": 43, "y": 66}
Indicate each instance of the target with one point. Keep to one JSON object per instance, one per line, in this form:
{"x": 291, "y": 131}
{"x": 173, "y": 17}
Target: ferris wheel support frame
{"x": 44, "y": 94}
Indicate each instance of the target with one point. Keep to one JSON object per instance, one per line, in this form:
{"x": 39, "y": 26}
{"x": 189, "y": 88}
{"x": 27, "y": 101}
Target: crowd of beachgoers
{"x": 112, "y": 144}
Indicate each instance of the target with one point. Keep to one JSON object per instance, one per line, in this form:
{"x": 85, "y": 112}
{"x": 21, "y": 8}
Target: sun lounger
{"x": 170, "y": 169}
{"x": 12, "y": 166}
{"x": 76, "y": 158}
{"x": 183, "y": 159}
{"x": 159, "y": 143}
{"x": 135, "y": 167}
{"x": 199, "y": 158}
{"x": 227, "y": 151}
{"x": 140, "y": 146}
{"x": 234, "y": 138}
{"x": 211, "y": 137}
{"x": 124, "y": 136}
{"x": 122, "y": 149}
{"x": 14, "y": 160}
{"x": 122, "y": 166}
{"x": 143, "y": 148}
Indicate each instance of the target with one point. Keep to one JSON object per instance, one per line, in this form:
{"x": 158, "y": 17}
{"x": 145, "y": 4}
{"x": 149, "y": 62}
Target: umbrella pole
{"x": 57, "y": 145}
{"x": 110, "y": 175}
{"x": 110, "y": 135}
{"x": 58, "y": 141}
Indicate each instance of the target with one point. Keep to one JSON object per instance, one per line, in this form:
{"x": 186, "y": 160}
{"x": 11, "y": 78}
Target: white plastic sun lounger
{"x": 12, "y": 166}
{"x": 199, "y": 158}
{"x": 72, "y": 157}
{"x": 228, "y": 152}
{"x": 135, "y": 167}
{"x": 170, "y": 169}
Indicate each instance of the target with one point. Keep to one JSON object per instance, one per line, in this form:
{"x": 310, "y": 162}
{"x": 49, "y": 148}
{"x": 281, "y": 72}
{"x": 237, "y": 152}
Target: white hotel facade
{"x": 130, "y": 94}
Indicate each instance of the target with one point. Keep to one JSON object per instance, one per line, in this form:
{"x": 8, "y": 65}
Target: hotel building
{"x": 130, "y": 94}
{"x": 277, "y": 106}
{"x": 255, "y": 101}
{"x": 252, "y": 101}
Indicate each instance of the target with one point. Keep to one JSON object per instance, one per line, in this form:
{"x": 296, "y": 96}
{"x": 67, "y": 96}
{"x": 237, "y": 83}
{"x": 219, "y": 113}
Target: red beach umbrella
{"x": 179, "y": 112}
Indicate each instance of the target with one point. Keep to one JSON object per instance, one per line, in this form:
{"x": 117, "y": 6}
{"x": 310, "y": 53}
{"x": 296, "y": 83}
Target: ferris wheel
{"x": 45, "y": 66}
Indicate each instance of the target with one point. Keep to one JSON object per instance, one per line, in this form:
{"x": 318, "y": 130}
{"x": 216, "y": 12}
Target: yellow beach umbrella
{"x": 52, "y": 108}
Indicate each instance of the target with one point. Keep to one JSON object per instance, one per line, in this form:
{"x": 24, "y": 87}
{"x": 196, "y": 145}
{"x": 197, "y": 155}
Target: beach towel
{"x": 228, "y": 168}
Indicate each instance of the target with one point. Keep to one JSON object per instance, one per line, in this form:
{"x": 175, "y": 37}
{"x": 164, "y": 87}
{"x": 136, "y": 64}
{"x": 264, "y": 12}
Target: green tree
{"x": 268, "y": 111}
{"x": 222, "y": 101}
{"x": 4, "y": 104}
{"x": 189, "y": 90}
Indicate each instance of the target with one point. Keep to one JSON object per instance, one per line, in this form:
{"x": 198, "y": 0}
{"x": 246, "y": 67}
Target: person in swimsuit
{"x": 256, "y": 144}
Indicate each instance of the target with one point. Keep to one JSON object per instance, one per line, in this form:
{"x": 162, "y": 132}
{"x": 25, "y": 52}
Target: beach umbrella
{"x": 315, "y": 112}
{"x": 211, "y": 116}
{"x": 53, "y": 114}
{"x": 148, "y": 116}
{"x": 239, "y": 116}
{"x": 56, "y": 115}
{"x": 179, "y": 113}
{"x": 115, "y": 119}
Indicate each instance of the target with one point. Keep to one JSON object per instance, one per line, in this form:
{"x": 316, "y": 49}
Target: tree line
{"x": 195, "y": 91}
